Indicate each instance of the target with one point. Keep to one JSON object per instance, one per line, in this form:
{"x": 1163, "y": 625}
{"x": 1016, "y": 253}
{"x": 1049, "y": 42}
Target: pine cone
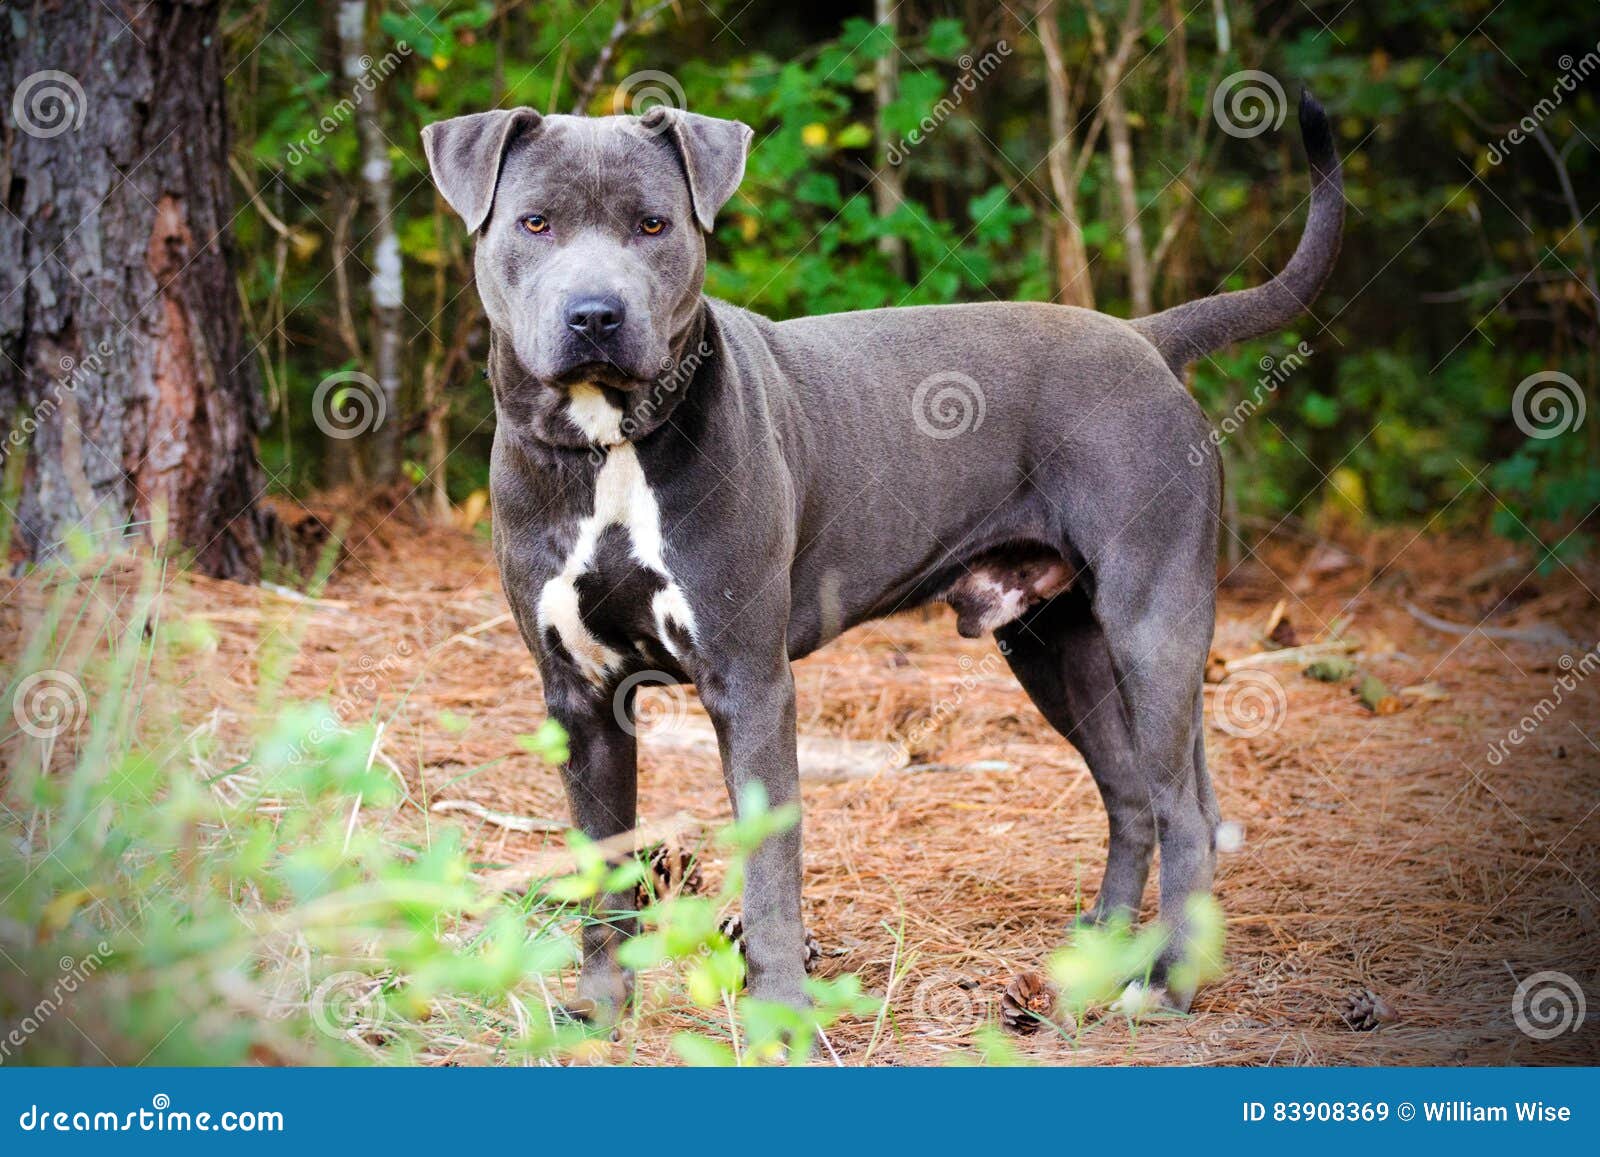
{"x": 1027, "y": 1002}
{"x": 1365, "y": 1010}
{"x": 673, "y": 871}
{"x": 733, "y": 929}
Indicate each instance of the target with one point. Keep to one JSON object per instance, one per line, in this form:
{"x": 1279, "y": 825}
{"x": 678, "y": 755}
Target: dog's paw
{"x": 598, "y": 1017}
{"x": 1141, "y": 1001}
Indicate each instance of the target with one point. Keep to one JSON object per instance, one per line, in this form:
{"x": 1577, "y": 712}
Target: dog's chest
{"x": 614, "y": 603}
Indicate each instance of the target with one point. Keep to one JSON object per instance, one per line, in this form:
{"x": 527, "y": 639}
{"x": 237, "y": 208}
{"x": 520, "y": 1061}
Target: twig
{"x": 562, "y": 861}
{"x": 504, "y": 820}
{"x": 1543, "y": 633}
{"x": 1294, "y": 654}
{"x": 625, "y": 23}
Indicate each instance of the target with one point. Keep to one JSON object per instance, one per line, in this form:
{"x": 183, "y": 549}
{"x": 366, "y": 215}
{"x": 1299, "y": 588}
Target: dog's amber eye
{"x": 652, "y": 226}
{"x": 534, "y": 223}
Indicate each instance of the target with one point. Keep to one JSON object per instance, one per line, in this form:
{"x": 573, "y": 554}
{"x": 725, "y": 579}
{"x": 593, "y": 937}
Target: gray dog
{"x": 686, "y": 491}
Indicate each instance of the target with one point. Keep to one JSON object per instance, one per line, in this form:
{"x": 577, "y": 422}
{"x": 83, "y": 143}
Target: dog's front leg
{"x": 601, "y": 776}
{"x": 751, "y": 703}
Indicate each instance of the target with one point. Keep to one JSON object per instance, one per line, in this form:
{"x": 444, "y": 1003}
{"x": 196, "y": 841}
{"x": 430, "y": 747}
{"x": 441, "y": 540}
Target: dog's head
{"x": 590, "y": 231}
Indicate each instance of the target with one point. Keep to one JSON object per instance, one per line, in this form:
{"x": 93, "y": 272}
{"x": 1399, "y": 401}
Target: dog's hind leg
{"x": 1158, "y": 624}
{"x": 1120, "y": 672}
{"x": 1060, "y": 656}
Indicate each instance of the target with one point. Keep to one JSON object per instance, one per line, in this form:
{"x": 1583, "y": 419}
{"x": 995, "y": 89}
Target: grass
{"x": 174, "y": 895}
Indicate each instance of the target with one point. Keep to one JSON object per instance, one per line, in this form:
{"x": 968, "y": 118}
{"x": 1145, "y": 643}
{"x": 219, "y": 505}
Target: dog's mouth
{"x": 600, "y": 373}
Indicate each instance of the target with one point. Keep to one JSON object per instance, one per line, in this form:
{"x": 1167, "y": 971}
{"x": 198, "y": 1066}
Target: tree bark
{"x": 1073, "y": 286}
{"x": 125, "y": 374}
{"x": 386, "y": 286}
{"x": 1120, "y": 139}
{"x": 889, "y": 189}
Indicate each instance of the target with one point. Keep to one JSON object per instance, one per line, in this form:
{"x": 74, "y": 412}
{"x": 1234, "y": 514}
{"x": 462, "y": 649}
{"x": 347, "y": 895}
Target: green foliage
{"x": 170, "y": 900}
{"x": 1463, "y": 270}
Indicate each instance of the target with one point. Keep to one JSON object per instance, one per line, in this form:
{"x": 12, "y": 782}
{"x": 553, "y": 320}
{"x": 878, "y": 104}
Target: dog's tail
{"x": 1186, "y": 331}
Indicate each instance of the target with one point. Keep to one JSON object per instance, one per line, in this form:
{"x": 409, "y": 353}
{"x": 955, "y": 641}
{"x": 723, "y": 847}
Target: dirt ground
{"x": 1390, "y": 852}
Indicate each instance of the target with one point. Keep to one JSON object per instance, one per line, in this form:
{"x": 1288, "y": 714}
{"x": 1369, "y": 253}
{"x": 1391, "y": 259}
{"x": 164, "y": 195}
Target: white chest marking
{"x": 622, "y": 497}
{"x": 592, "y": 412}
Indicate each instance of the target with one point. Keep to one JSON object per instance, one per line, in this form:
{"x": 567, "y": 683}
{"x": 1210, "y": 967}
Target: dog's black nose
{"x": 595, "y": 317}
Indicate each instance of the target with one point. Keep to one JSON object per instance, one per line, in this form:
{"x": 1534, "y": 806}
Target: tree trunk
{"x": 125, "y": 374}
{"x": 1073, "y": 286}
{"x": 1120, "y": 139}
{"x": 889, "y": 189}
{"x": 388, "y": 300}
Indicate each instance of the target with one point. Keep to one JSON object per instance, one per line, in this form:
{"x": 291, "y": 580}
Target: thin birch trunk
{"x": 889, "y": 190}
{"x": 386, "y": 286}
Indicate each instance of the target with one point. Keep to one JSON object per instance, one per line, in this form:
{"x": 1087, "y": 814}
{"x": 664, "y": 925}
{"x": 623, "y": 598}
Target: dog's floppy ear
{"x": 713, "y": 152}
{"x": 464, "y": 155}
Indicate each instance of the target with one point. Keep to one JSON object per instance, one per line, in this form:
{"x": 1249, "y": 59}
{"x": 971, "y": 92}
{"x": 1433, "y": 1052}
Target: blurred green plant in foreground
{"x": 173, "y": 896}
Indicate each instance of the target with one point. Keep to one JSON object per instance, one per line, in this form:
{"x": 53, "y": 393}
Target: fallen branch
{"x": 506, "y": 820}
{"x": 556, "y": 862}
{"x": 823, "y": 759}
{"x": 1541, "y": 634}
{"x": 1303, "y": 654}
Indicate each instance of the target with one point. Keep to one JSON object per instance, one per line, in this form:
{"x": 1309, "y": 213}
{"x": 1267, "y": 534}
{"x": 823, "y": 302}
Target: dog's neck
{"x": 593, "y": 417}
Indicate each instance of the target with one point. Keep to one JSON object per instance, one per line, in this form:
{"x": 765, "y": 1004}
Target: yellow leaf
{"x": 814, "y": 135}
{"x": 470, "y": 511}
{"x": 59, "y": 911}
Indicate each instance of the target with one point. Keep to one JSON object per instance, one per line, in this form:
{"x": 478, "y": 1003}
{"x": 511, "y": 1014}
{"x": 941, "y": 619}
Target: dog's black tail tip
{"x": 1315, "y": 131}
